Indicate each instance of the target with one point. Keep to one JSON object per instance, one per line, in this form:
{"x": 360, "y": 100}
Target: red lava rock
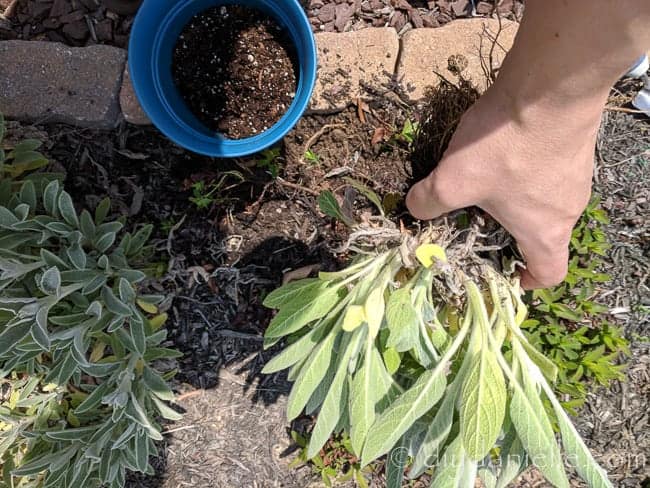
{"x": 484, "y": 8}
{"x": 327, "y": 13}
{"x": 416, "y": 18}
{"x": 328, "y": 26}
{"x": 344, "y": 13}
{"x": 54, "y": 36}
{"x": 399, "y": 20}
{"x": 402, "y": 5}
{"x": 462, "y": 8}
{"x": 313, "y": 4}
{"x": 430, "y": 20}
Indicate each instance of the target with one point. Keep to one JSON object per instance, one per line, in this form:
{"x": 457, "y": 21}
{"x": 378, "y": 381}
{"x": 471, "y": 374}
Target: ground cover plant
{"x": 80, "y": 393}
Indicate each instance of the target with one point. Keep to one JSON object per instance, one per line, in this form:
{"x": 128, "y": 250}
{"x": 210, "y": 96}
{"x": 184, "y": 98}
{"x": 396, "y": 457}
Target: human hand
{"x": 531, "y": 171}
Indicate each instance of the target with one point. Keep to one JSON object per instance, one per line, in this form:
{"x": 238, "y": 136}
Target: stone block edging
{"x": 91, "y": 86}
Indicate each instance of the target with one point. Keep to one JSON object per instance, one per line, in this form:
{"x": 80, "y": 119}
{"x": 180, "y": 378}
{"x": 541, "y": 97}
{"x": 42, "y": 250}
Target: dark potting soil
{"x": 236, "y": 69}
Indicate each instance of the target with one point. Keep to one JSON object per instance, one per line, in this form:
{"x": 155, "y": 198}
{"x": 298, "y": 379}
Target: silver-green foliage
{"x": 395, "y": 364}
{"x": 79, "y": 392}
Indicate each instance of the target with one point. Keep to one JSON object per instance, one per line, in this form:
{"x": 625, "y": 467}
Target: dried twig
{"x": 295, "y": 186}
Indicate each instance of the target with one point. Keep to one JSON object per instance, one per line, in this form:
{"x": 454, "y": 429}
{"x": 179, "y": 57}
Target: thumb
{"x": 431, "y": 198}
{"x": 545, "y": 267}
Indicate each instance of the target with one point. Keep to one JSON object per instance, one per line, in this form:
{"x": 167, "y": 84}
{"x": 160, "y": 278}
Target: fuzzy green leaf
{"x": 437, "y": 433}
{"x": 336, "y": 400}
{"x": 51, "y": 281}
{"x": 312, "y": 305}
{"x": 403, "y": 413}
{"x": 102, "y": 210}
{"x": 362, "y": 400}
{"x": 455, "y": 470}
{"x": 536, "y": 434}
{"x": 113, "y": 304}
{"x": 296, "y": 351}
{"x": 68, "y": 212}
{"x": 293, "y": 291}
{"x": 402, "y": 321}
{"x": 13, "y": 335}
{"x": 311, "y": 374}
{"x": 482, "y": 406}
{"x": 578, "y": 454}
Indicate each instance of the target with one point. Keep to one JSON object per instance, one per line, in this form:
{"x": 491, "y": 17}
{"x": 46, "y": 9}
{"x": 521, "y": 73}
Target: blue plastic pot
{"x": 153, "y": 37}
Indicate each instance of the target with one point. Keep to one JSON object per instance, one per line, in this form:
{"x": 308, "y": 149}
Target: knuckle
{"x": 442, "y": 188}
{"x": 552, "y": 274}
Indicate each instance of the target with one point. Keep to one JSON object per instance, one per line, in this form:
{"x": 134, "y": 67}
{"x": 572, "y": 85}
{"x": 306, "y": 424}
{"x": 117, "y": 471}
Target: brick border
{"x": 91, "y": 86}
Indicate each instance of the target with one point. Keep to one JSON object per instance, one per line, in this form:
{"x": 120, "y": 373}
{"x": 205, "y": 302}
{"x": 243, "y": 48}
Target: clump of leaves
{"x": 417, "y": 347}
{"x": 566, "y": 323}
{"x": 206, "y": 194}
{"x": 270, "y": 160}
{"x": 79, "y": 392}
{"x": 335, "y": 463}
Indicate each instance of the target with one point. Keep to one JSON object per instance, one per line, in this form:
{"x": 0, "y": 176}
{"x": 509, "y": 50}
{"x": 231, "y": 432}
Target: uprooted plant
{"x": 416, "y": 347}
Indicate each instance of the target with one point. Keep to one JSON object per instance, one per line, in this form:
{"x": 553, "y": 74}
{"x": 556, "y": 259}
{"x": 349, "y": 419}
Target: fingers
{"x": 546, "y": 266}
{"x": 431, "y": 197}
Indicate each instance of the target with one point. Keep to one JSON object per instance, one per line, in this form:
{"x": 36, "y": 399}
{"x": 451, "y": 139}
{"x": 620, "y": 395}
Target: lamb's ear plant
{"x": 417, "y": 346}
{"x": 79, "y": 387}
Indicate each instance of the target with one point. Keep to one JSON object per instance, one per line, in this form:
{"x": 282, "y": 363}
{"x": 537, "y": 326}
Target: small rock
{"x": 398, "y": 20}
{"x": 462, "y": 8}
{"x": 344, "y": 14}
{"x": 60, "y": 7}
{"x": 131, "y": 109}
{"x": 429, "y": 20}
{"x": 327, "y": 13}
{"x": 104, "y": 30}
{"x": 71, "y": 17}
{"x": 51, "y": 23}
{"x": 314, "y": 4}
{"x": 39, "y": 10}
{"x": 76, "y": 30}
{"x": 484, "y": 8}
{"x": 416, "y": 18}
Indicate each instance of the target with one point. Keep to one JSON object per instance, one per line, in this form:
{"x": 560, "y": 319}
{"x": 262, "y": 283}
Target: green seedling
{"x": 270, "y": 160}
{"x": 207, "y": 194}
{"x": 312, "y": 157}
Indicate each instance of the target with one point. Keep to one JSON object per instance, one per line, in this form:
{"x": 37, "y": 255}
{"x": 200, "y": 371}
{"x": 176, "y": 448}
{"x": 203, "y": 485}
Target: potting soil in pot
{"x": 236, "y": 69}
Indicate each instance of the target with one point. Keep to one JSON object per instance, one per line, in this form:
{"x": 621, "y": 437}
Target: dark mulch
{"x": 236, "y": 68}
{"x": 72, "y": 22}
